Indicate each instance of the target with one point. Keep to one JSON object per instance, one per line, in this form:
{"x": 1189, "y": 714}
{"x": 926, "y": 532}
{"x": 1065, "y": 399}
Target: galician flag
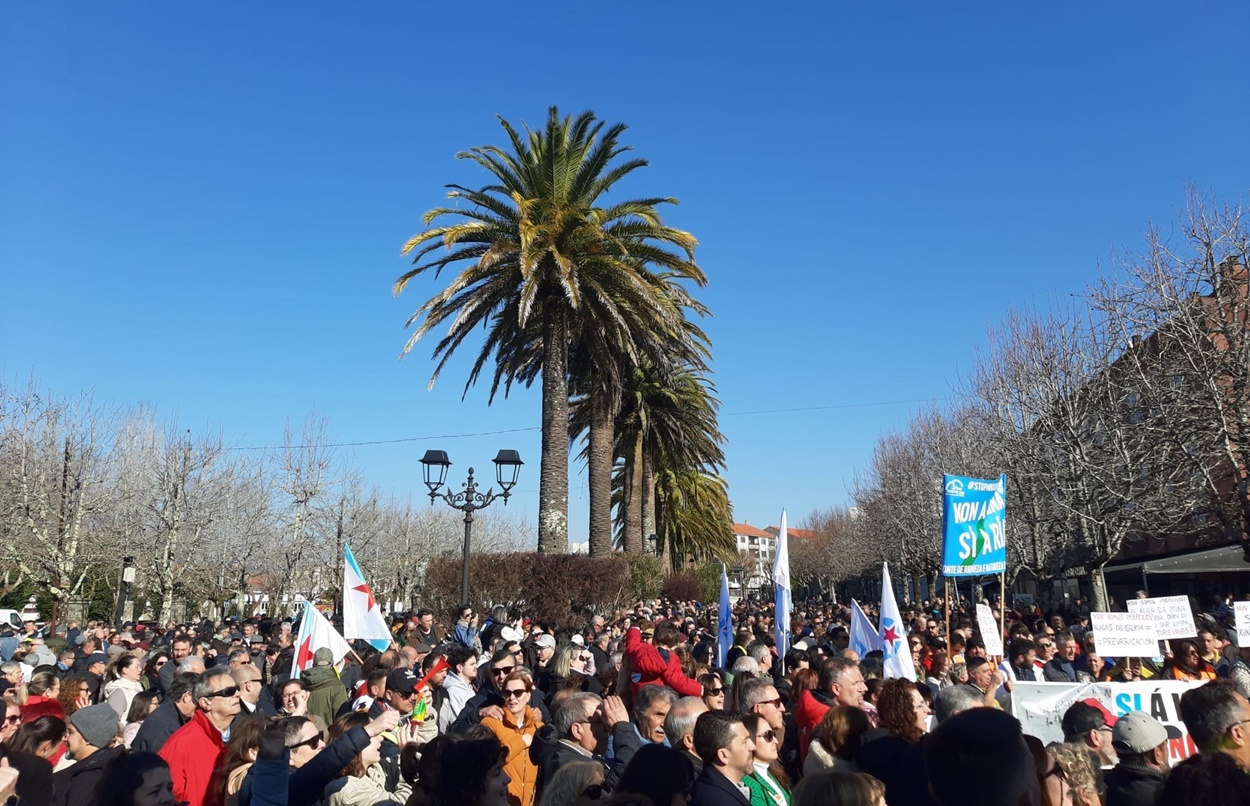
{"x": 725, "y": 621}
{"x": 316, "y": 632}
{"x": 362, "y": 617}
{"x": 781, "y": 590}
{"x": 864, "y": 638}
{"x": 893, "y": 632}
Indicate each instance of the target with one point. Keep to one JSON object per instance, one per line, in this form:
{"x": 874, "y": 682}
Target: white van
{"x": 11, "y": 618}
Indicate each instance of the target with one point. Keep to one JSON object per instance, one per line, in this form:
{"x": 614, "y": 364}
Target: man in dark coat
{"x": 171, "y": 714}
{"x": 1142, "y": 744}
{"x": 727, "y": 751}
{"x": 34, "y": 776}
{"x": 90, "y": 732}
{"x": 580, "y": 731}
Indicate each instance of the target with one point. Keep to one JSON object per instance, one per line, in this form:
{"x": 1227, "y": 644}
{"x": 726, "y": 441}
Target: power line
{"x": 400, "y": 440}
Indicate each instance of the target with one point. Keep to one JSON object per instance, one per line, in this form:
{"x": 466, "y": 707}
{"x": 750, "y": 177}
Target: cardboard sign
{"x": 989, "y": 631}
{"x": 1172, "y": 615}
{"x": 1242, "y": 611}
{"x": 1125, "y": 635}
{"x": 1040, "y": 707}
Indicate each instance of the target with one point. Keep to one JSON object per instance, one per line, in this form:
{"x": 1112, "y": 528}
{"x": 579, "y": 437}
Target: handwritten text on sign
{"x": 1173, "y": 618}
{"x": 1125, "y": 635}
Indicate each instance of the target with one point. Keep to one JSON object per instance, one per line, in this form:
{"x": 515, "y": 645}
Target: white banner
{"x": 1242, "y": 611}
{"x": 1172, "y": 615}
{"x": 1040, "y": 707}
{"x": 989, "y": 631}
{"x": 1125, "y": 635}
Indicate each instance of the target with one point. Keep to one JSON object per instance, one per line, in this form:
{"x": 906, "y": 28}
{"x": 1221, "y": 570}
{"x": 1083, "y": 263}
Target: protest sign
{"x": 1040, "y": 707}
{"x": 990, "y": 633}
{"x": 1242, "y": 611}
{"x": 1173, "y": 618}
{"x": 1125, "y": 635}
{"x": 974, "y": 526}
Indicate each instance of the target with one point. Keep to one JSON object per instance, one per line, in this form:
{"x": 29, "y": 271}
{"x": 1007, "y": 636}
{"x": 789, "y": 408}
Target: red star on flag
{"x": 304, "y": 655}
{"x": 891, "y": 635}
{"x": 363, "y": 588}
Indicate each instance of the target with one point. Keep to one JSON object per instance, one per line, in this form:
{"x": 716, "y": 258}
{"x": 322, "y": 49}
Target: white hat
{"x": 510, "y": 634}
{"x": 577, "y": 639}
{"x": 545, "y": 640}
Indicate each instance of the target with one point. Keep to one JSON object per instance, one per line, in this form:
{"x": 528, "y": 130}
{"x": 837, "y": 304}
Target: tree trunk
{"x": 1099, "y": 586}
{"x": 553, "y": 482}
{"x": 599, "y": 469}
{"x": 647, "y": 509}
{"x": 633, "y": 498}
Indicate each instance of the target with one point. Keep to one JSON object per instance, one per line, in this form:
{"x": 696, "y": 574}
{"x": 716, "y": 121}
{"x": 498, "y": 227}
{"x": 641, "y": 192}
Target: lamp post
{"x": 434, "y": 467}
{"x": 123, "y": 589}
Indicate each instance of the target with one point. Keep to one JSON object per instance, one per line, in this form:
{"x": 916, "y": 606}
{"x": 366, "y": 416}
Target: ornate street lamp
{"x": 434, "y": 467}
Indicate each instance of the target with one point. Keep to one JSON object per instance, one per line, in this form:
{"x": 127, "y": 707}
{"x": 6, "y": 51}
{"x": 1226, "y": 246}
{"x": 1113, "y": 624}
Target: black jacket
{"x": 550, "y": 755}
{"x": 78, "y": 785}
{"x": 34, "y": 776}
{"x": 712, "y": 788}
{"x": 1054, "y": 673}
{"x": 897, "y": 764}
{"x": 1133, "y": 785}
{"x": 158, "y": 727}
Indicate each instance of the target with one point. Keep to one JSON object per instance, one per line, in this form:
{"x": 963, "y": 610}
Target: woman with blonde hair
{"x": 515, "y": 731}
{"x": 570, "y": 781}
{"x": 1075, "y": 762}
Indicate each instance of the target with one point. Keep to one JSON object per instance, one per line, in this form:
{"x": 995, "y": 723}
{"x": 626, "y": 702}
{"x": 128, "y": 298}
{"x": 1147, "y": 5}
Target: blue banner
{"x": 974, "y": 526}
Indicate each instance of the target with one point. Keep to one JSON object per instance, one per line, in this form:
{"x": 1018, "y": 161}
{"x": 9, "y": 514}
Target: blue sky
{"x": 202, "y": 205}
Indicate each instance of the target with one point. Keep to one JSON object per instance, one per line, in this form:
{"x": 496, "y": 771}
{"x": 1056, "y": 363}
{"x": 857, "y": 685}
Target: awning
{"x": 1228, "y": 559}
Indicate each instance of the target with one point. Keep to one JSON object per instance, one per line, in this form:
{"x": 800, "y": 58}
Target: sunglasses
{"x": 505, "y": 670}
{"x": 228, "y": 691}
{"x": 769, "y": 735}
{"x": 516, "y": 692}
{"x": 775, "y": 702}
{"x": 312, "y": 743}
{"x": 13, "y": 720}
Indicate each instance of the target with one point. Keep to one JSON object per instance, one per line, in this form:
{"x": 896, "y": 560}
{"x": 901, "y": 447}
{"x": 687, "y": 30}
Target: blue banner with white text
{"x": 974, "y": 526}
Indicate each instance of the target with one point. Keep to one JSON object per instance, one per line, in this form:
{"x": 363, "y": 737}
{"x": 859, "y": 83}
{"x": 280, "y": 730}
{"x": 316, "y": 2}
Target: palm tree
{"x": 542, "y": 253}
{"x": 693, "y": 514}
{"x": 667, "y": 419}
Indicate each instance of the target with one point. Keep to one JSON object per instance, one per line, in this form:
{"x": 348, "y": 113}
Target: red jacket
{"x": 192, "y": 754}
{"x": 808, "y": 712}
{"x": 648, "y": 667}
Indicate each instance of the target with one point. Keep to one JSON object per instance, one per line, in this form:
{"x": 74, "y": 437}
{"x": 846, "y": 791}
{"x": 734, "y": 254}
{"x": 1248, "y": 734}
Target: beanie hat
{"x": 97, "y": 723}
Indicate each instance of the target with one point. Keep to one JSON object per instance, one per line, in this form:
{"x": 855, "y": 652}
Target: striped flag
{"x": 362, "y": 615}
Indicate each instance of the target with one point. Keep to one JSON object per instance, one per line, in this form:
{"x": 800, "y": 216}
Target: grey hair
{"x": 745, "y": 665}
{"x": 204, "y": 686}
{"x": 752, "y": 693}
{"x": 238, "y": 653}
{"x": 190, "y": 664}
{"x": 650, "y": 695}
{"x": 954, "y": 699}
{"x": 574, "y": 710}
{"x": 758, "y": 650}
{"x": 681, "y": 719}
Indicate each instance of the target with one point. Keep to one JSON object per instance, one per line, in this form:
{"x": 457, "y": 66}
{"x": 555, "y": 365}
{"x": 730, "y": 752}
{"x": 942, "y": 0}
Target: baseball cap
{"x": 1138, "y": 732}
{"x": 323, "y": 657}
{"x": 1083, "y": 716}
{"x": 577, "y": 639}
{"x": 97, "y": 657}
{"x": 545, "y": 640}
{"x": 511, "y": 634}
{"x": 401, "y": 680}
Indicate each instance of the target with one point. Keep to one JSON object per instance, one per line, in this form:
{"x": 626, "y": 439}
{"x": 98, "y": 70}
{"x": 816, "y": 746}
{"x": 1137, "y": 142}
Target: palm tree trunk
{"x": 648, "y": 495}
{"x": 599, "y": 468}
{"x": 633, "y": 497}
{"x": 553, "y": 482}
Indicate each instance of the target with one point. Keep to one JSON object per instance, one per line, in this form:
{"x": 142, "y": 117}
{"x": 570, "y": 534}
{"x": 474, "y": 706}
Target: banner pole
{"x": 1002, "y": 609}
{"x": 947, "y": 600}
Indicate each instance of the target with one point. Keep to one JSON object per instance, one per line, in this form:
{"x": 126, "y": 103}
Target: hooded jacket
{"x": 651, "y": 666}
{"x": 192, "y": 754}
{"x": 326, "y": 692}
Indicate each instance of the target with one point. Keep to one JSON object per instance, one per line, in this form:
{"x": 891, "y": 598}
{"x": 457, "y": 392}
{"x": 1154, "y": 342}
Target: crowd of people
{"x": 628, "y": 709}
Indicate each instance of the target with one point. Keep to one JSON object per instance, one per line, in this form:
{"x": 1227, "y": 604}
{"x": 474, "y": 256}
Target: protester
{"x": 236, "y": 762}
{"x": 1217, "y": 717}
{"x": 1061, "y": 668}
{"x": 1186, "y": 662}
{"x": 713, "y": 693}
{"x": 515, "y": 729}
{"x": 661, "y": 774}
{"x": 363, "y": 781}
{"x": 123, "y": 684}
{"x": 137, "y": 779}
{"x": 679, "y": 728}
{"x": 89, "y": 738}
{"x": 838, "y": 788}
{"x": 837, "y": 741}
{"x": 1078, "y": 770}
{"x": 980, "y": 757}
{"x": 193, "y": 751}
{"x": 459, "y": 685}
{"x": 42, "y": 737}
{"x": 768, "y": 783}
{"x": 1086, "y": 725}
{"x": 651, "y": 707}
{"x": 1142, "y": 746}
{"x": 480, "y": 779}
{"x": 842, "y": 683}
{"x": 74, "y": 694}
{"x": 728, "y": 753}
{"x": 582, "y": 727}
{"x": 175, "y": 710}
{"x": 1207, "y": 779}
{"x": 571, "y": 781}
{"x": 657, "y": 663}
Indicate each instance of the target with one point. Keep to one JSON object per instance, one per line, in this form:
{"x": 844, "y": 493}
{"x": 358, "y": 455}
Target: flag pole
{"x": 1002, "y": 609}
{"x": 947, "y": 602}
